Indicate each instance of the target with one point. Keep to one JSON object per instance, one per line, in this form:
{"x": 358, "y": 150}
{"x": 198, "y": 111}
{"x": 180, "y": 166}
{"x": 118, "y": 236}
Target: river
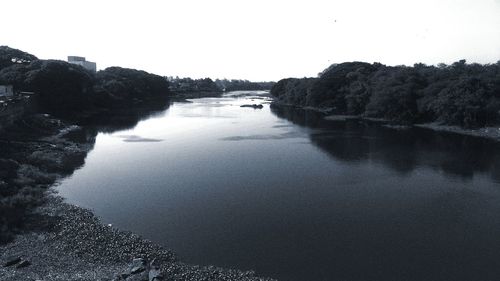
{"x": 293, "y": 196}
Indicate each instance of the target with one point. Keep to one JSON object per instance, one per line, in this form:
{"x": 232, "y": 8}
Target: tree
{"x": 116, "y": 85}
{"x": 10, "y": 56}
{"x": 62, "y": 88}
{"x": 460, "y": 94}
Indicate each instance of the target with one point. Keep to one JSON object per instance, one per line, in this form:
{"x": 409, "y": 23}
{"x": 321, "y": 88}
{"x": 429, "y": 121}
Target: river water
{"x": 293, "y": 196}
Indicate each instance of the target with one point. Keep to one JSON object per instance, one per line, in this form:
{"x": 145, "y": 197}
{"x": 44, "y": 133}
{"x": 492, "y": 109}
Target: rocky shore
{"x": 65, "y": 242}
{"x": 44, "y": 238}
{"x": 36, "y": 151}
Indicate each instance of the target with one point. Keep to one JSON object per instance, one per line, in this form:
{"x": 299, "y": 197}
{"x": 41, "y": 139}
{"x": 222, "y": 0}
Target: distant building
{"x": 6, "y": 90}
{"x": 81, "y": 61}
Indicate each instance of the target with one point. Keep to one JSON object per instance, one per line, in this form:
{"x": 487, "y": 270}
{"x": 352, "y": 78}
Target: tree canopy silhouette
{"x": 10, "y": 56}
{"x": 66, "y": 89}
{"x": 461, "y": 94}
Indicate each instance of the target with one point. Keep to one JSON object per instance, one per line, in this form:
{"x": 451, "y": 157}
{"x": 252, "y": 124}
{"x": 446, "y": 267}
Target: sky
{"x": 259, "y": 40}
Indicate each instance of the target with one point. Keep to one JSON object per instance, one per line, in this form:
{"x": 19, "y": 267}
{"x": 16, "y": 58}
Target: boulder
{"x": 12, "y": 261}
{"x": 23, "y": 263}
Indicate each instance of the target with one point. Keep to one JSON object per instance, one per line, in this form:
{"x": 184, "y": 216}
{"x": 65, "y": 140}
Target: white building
{"x": 6, "y": 90}
{"x": 81, "y": 61}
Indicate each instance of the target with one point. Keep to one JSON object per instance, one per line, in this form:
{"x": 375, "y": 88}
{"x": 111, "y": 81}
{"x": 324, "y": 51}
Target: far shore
{"x": 61, "y": 241}
{"x": 489, "y": 132}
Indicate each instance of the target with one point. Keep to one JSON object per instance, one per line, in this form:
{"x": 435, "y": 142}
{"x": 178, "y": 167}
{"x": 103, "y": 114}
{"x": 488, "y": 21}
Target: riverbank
{"x": 182, "y": 96}
{"x": 44, "y": 238}
{"x": 36, "y": 151}
{"x": 65, "y": 242}
{"x": 492, "y": 133}
{"x": 14, "y": 108}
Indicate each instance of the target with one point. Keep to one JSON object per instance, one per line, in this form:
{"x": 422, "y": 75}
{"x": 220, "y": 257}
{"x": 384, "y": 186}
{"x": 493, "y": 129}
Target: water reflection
{"x": 296, "y": 197}
{"x": 286, "y": 135}
{"x": 38, "y": 149}
{"x": 121, "y": 119}
{"x": 401, "y": 150}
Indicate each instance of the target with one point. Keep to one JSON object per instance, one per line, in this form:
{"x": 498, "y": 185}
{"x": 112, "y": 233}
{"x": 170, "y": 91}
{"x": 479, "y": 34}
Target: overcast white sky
{"x": 257, "y": 39}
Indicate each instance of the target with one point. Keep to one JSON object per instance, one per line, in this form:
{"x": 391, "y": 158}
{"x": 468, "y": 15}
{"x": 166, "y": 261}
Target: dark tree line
{"x": 461, "y": 94}
{"x": 116, "y": 85}
{"x": 66, "y": 89}
{"x": 112, "y": 98}
{"x": 187, "y": 85}
{"x": 10, "y": 56}
{"x": 242, "y": 85}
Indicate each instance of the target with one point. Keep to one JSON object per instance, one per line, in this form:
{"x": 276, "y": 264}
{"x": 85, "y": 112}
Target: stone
{"x": 137, "y": 269}
{"x": 23, "y": 263}
{"x": 122, "y": 276}
{"x": 155, "y": 275}
{"x": 12, "y": 261}
{"x": 143, "y": 276}
{"x": 137, "y": 262}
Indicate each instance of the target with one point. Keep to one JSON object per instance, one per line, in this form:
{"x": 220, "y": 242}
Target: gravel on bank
{"x": 65, "y": 242}
{"x": 44, "y": 238}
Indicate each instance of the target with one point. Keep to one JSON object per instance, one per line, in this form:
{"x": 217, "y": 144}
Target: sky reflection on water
{"x": 293, "y": 196}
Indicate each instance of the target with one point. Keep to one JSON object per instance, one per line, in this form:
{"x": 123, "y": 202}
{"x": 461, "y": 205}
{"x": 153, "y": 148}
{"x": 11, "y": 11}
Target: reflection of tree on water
{"x": 401, "y": 150}
{"x": 450, "y": 235}
{"x": 126, "y": 118}
{"x": 39, "y": 149}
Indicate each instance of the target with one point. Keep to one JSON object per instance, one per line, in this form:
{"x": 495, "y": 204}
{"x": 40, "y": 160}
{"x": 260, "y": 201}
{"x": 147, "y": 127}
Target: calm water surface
{"x": 295, "y": 197}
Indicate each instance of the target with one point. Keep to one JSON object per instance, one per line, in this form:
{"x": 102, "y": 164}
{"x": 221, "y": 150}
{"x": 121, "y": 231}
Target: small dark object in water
{"x": 253, "y": 105}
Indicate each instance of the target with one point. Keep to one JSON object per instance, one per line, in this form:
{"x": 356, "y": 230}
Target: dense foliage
{"x": 66, "y": 89}
{"x": 242, "y": 85}
{"x": 187, "y": 85}
{"x": 10, "y": 56}
{"x": 292, "y": 90}
{"x": 115, "y": 86}
{"x": 461, "y": 94}
{"x": 61, "y": 88}
{"x": 38, "y": 148}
